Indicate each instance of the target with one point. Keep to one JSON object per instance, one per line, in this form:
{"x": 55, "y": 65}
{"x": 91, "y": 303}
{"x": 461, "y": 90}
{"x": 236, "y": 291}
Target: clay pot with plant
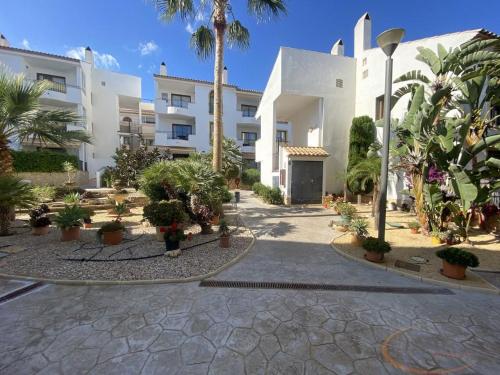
{"x": 224, "y": 234}
{"x": 69, "y": 220}
{"x": 87, "y": 218}
{"x": 375, "y": 249}
{"x": 111, "y": 233}
{"x": 414, "y": 226}
{"x": 39, "y": 220}
{"x": 456, "y": 261}
{"x": 437, "y": 237}
{"x": 359, "y": 230}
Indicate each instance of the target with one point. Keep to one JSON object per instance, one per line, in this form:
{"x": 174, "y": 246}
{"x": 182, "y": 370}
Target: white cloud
{"x": 147, "y": 48}
{"x": 189, "y": 28}
{"x": 26, "y": 44}
{"x": 101, "y": 60}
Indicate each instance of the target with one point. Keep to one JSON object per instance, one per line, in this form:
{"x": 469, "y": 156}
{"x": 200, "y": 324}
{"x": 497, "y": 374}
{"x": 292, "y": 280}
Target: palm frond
{"x": 264, "y": 9}
{"x": 168, "y": 9}
{"x": 238, "y": 35}
{"x": 203, "y": 42}
{"x": 414, "y": 75}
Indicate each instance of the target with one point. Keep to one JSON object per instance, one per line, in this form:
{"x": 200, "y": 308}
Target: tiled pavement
{"x": 185, "y": 329}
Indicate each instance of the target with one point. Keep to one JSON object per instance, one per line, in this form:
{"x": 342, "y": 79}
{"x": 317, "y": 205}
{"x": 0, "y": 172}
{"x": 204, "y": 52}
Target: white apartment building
{"x": 184, "y": 115}
{"x": 318, "y": 94}
{"x": 108, "y": 102}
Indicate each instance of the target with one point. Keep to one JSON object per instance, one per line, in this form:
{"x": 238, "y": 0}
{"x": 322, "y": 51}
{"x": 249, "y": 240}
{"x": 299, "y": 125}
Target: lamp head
{"x": 388, "y": 41}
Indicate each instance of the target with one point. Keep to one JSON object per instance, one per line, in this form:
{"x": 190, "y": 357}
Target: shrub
{"x": 70, "y": 216}
{"x": 346, "y": 210}
{"x": 361, "y": 136}
{"x": 250, "y": 176}
{"x": 39, "y": 218}
{"x": 165, "y": 212}
{"x": 62, "y": 191}
{"x": 44, "y": 193}
{"x": 223, "y": 228}
{"x": 258, "y": 188}
{"x": 72, "y": 198}
{"x": 41, "y": 161}
{"x": 227, "y": 195}
{"x": 414, "y": 225}
{"x": 459, "y": 257}
{"x": 272, "y": 196}
{"x": 375, "y": 245}
{"x": 112, "y": 226}
{"x": 359, "y": 227}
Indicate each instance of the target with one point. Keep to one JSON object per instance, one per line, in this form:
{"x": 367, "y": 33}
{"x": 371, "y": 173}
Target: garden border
{"x": 448, "y": 284}
{"x": 138, "y": 282}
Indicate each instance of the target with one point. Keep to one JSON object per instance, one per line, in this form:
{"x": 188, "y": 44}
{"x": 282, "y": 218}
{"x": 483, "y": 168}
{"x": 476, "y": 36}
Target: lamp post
{"x": 388, "y": 41}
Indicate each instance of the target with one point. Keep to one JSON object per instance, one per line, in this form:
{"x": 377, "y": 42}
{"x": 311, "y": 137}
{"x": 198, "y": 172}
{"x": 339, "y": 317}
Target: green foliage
{"x": 459, "y": 257}
{"x": 362, "y": 135}
{"x": 375, "y": 245}
{"x": 359, "y": 226}
{"x": 226, "y": 195}
{"x": 72, "y": 198}
{"x": 44, "y": 194}
{"x": 232, "y": 159}
{"x": 268, "y": 194}
{"x": 39, "y": 218}
{"x": 250, "y": 176}
{"x": 41, "y": 161}
{"x": 414, "y": 225}
{"x": 70, "y": 216}
{"x": 164, "y": 213}
{"x": 223, "y": 228}
{"x": 346, "y": 210}
{"x": 112, "y": 226}
{"x": 15, "y": 193}
{"x": 258, "y": 187}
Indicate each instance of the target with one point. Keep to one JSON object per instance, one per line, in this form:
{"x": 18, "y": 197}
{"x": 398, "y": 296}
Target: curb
{"x": 137, "y": 282}
{"x": 495, "y": 290}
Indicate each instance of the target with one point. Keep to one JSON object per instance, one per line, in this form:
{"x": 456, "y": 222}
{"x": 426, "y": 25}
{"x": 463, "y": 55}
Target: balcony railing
{"x": 55, "y": 86}
{"x": 247, "y": 142}
{"x": 176, "y": 135}
{"x": 248, "y": 112}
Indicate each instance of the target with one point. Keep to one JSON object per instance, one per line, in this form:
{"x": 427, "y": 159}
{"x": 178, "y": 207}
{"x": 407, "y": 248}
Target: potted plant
{"x": 72, "y": 198}
{"x": 456, "y": 261}
{"x": 173, "y": 235}
{"x": 87, "y": 218}
{"x": 69, "y": 219}
{"x": 163, "y": 214}
{"x": 224, "y": 234}
{"x": 437, "y": 237}
{"x": 375, "y": 249}
{"x": 450, "y": 237}
{"x": 119, "y": 210}
{"x": 359, "y": 230}
{"x": 414, "y": 226}
{"x": 336, "y": 204}
{"x": 111, "y": 233}
{"x": 347, "y": 211}
{"x": 39, "y": 220}
{"x": 119, "y": 196}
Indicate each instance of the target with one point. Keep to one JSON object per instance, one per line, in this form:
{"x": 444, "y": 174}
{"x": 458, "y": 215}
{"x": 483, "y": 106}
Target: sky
{"x": 127, "y": 35}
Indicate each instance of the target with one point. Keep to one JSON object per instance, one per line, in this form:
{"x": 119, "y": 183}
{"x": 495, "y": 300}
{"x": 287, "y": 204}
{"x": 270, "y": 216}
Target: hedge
{"x": 250, "y": 176}
{"x": 41, "y": 161}
{"x": 268, "y": 194}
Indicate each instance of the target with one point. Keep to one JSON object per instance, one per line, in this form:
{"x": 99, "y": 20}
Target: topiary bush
{"x": 165, "y": 212}
{"x": 258, "y": 188}
{"x": 361, "y": 136}
{"x": 375, "y": 245}
{"x": 459, "y": 257}
{"x": 41, "y": 161}
{"x": 272, "y": 196}
{"x": 250, "y": 176}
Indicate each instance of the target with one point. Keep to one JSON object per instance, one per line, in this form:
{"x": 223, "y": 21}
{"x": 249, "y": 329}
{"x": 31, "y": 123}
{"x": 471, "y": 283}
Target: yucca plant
{"x": 13, "y": 193}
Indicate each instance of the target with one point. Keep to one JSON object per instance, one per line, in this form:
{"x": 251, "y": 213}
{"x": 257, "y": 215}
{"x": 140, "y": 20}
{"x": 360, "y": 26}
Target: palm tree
{"x": 13, "y": 192}
{"x": 22, "y": 118}
{"x": 367, "y": 171}
{"x": 209, "y": 38}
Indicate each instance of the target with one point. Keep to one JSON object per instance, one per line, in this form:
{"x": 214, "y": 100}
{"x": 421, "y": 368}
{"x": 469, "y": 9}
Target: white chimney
{"x": 338, "y": 48}
{"x": 225, "y": 80}
{"x": 89, "y": 56}
{"x": 163, "y": 69}
{"x": 362, "y": 35}
{"x": 3, "y": 41}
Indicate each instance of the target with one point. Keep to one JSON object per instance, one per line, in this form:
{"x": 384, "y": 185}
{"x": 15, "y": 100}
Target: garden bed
{"x": 408, "y": 247}
{"x": 139, "y": 257}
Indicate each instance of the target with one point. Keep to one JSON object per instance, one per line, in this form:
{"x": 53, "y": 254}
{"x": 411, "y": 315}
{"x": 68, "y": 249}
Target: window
{"x": 365, "y": 74}
{"x": 180, "y": 100}
{"x": 248, "y": 138}
{"x": 164, "y": 96}
{"x": 126, "y": 141}
{"x": 84, "y": 84}
{"x": 211, "y": 102}
{"x": 180, "y": 131}
{"x": 364, "y": 61}
{"x": 281, "y": 136}
{"x": 148, "y": 119}
{"x": 148, "y": 142}
{"x": 103, "y": 83}
{"x": 339, "y": 83}
{"x": 379, "y": 107}
{"x": 248, "y": 110}
{"x": 56, "y": 83}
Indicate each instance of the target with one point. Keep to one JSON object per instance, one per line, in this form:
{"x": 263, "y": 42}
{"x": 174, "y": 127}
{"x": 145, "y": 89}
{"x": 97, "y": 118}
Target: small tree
{"x": 13, "y": 192}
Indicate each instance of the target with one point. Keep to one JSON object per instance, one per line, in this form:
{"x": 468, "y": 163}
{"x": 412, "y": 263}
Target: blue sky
{"x": 129, "y": 38}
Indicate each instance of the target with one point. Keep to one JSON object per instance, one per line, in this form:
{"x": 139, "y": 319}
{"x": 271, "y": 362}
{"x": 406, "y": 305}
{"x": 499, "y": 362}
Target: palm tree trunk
{"x": 418, "y": 192}
{"x": 220, "y": 28}
{"x": 375, "y": 207}
{"x": 4, "y": 221}
{"x": 6, "y": 164}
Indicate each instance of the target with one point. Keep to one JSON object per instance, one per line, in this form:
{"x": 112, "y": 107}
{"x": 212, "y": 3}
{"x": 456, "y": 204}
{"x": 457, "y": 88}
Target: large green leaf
{"x": 432, "y": 194}
{"x": 463, "y": 186}
{"x": 414, "y": 75}
{"x": 477, "y": 148}
{"x": 416, "y": 102}
{"x": 428, "y": 56}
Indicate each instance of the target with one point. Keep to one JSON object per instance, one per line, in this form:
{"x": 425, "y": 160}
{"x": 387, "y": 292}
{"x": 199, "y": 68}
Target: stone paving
{"x": 186, "y": 329}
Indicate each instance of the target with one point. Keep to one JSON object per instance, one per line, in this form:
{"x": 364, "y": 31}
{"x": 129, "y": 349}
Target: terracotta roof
{"x": 36, "y": 53}
{"x": 306, "y": 151}
{"x": 206, "y": 82}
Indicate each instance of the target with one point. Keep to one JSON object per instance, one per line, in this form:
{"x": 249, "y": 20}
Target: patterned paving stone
{"x": 227, "y": 362}
{"x": 144, "y": 337}
{"x": 332, "y": 358}
{"x": 264, "y": 323}
{"x": 197, "y": 350}
{"x": 167, "y": 340}
{"x": 242, "y": 340}
{"x": 125, "y": 364}
{"x": 165, "y": 362}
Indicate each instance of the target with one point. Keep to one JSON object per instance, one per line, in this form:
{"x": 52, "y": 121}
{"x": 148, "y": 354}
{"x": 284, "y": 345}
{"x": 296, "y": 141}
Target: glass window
{"x": 164, "y": 96}
{"x": 248, "y": 110}
{"x": 281, "y": 136}
{"x": 180, "y": 131}
{"x": 248, "y": 138}
{"x": 211, "y": 102}
{"x": 379, "y": 108}
{"x": 56, "y": 83}
{"x": 148, "y": 119}
{"x": 180, "y": 100}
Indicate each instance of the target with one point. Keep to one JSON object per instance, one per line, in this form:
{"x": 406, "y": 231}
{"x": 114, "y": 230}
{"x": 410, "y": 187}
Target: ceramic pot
{"x": 70, "y": 234}
{"x": 112, "y": 238}
{"x": 87, "y": 225}
{"x": 435, "y": 240}
{"x": 215, "y": 220}
{"x": 40, "y": 231}
{"x": 374, "y": 257}
{"x": 356, "y": 240}
{"x": 172, "y": 245}
{"x": 414, "y": 230}
{"x": 224, "y": 242}
{"x": 453, "y": 271}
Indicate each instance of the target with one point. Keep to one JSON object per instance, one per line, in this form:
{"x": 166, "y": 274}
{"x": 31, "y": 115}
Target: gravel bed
{"x": 48, "y": 257}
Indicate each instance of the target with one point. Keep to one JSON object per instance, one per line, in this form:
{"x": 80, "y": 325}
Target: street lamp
{"x": 388, "y": 41}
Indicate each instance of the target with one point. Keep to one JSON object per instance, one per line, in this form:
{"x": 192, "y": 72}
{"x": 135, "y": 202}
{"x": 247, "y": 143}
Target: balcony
{"x": 173, "y": 139}
{"x": 135, "y": 128}
{"x": 247, "y": 145}
{"x": 247, "y": 117}
{"x": 180, "y": 108}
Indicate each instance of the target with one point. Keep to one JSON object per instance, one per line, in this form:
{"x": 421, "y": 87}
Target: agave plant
{"x": 13, "y": 193}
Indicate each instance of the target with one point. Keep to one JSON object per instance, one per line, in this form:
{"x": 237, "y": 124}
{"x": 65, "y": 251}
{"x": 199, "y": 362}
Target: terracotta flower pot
{"x": 40, "y": 231}
{"x": 215, "y": 220}
{"x": 414, "y": 230}
{"x": 453, "y": 271}
{"x": 356, "y": 240}
{"x": 70, "y": 234}
{"x": 342, "y": 228}
{"x": 374, "y": 257}
{"x": 435, "y": 240}
{"x": 87, "y": 225}
{"x": 224, "y": 242}
{"x": 118, "y": 198}
{"x": 112, "y": 238}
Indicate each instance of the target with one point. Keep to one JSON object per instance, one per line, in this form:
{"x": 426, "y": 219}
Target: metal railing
{"x": 247, "y": 142}
{"x": 248, "y": 112}
{"x": 55, "y": 86}
{"x": 176, "y": 134}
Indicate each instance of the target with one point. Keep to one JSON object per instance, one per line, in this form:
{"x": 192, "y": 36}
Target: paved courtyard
{"x": 187, "y": 329}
